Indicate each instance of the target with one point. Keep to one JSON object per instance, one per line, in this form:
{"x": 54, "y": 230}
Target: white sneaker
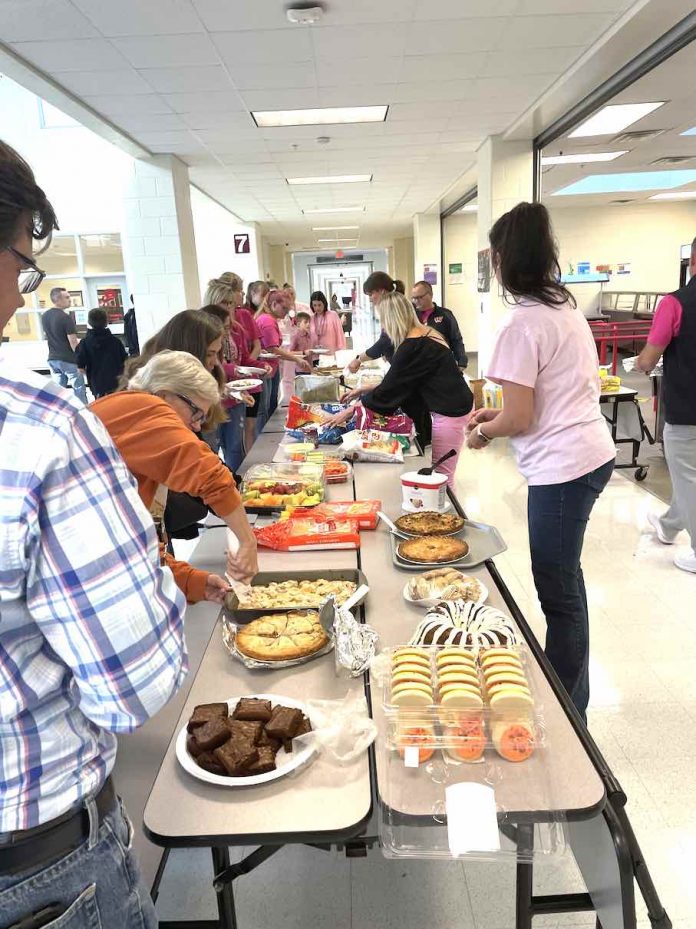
{"x": 686, "y": 561}
{"x": 654, "y": 521}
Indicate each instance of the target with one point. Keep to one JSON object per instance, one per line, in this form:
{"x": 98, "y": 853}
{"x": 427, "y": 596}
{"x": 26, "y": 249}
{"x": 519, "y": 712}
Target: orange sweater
{"x": 159, "y": 449}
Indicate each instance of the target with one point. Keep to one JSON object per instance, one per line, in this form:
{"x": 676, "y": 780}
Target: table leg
{"x": 224, "y": 890}
{"x": 525, "y": 876}
{"x": 656, "y": 912}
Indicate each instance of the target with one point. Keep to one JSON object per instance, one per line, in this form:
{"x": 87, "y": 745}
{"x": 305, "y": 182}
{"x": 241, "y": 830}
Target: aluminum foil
{"x": 356, "y": 643}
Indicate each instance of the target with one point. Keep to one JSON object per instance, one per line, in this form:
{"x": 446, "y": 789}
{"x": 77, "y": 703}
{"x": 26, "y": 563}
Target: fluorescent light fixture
{"x": 580, "y": 158}
{"x": 326, "y": 116}
{"x": 691, "y": 131}
{"x": 332, "y": 228}
{"x": 332, "y": 179}
{"x": 633, "y": 181}
{"x": 614, "y": 118}
{"x": 676, "y": 195}
{"x": 337, "y": 209}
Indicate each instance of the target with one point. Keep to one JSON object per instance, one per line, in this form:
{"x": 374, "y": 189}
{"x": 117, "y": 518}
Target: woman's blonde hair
{"x": 222, "y": 289}
{"x": 177, "y": 373}
{"x": 397, "y": 317}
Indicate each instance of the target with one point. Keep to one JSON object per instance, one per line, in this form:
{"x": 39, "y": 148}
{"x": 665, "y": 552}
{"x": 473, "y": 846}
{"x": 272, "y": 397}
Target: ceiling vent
{"x": 673, "y": 160}
{"x": 639, "y": 135}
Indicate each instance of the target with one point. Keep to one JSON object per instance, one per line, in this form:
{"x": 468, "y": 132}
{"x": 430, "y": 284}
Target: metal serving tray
{"x": 233, "y": 611}
{"x": 484, "y": 542}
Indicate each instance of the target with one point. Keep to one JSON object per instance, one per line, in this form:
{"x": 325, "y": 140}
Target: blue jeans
{"x": 66, "y": 373}
{"x": 231, "y": 436}
{"x": 557, "y": 515}
{"x": 268, "y": 401}
{"x": 99, "y": 883}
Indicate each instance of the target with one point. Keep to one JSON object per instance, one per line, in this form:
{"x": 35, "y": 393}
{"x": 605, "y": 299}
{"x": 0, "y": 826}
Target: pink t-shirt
{"x": 327, "y": 331}
{"x": 269, "y": 331}
{"x": 666, "y": 322}
{"x": 248, "y": 324}
{"x": 552, "y": 350}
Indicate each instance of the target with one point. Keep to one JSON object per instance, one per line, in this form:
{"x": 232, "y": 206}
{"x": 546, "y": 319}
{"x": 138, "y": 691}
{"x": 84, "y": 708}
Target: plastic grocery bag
{"x": 343, "y": 729}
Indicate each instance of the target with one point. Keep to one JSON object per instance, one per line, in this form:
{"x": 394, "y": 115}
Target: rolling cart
{"x": 616, "y": 398}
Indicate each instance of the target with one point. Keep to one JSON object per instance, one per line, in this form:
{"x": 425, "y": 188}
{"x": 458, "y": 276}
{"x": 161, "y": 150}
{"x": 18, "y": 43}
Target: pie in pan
{"x": 282, "y": 636}
{"x": 429, "y": 523}
{"x": 433, "y": 549}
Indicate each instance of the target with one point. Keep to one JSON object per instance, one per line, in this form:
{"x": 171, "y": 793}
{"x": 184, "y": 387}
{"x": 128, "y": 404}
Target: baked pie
{"x": 429, "y": 523}
{"x": 282, "y": 636}
{"x": 431, "y": 549}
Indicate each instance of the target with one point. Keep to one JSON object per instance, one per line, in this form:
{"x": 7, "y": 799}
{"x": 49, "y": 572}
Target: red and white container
{"x": 424, "y": 492}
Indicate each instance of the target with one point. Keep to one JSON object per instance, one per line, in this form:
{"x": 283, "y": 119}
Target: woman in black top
{"x": 423, "y": 372}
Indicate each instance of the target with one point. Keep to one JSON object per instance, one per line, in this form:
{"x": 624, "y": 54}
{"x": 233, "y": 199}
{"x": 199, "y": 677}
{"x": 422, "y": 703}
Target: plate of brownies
{"x": 245, "y": 740}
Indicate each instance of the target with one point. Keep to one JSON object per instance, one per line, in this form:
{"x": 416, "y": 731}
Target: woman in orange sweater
{"x": 153, "y": 424}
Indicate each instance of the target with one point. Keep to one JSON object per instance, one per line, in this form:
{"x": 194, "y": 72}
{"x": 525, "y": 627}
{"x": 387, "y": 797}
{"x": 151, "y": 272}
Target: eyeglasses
{"x": 197, "y": 414}
{"x": 418, "y": 297}
{"x": 30, "y": 276}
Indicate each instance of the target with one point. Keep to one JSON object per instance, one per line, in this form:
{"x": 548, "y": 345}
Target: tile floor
{"x": 642, "y": 707}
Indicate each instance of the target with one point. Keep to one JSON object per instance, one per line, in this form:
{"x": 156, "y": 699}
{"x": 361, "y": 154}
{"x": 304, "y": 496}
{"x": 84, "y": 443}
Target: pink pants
{"x": 448, "y": 432}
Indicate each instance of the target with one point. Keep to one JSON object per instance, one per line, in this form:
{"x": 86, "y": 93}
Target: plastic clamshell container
{"x": 273, "y": 486}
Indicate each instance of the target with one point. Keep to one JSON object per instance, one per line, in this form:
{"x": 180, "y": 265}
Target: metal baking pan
{"x": 484, "y": 542}
{"x": 232, "y": 609}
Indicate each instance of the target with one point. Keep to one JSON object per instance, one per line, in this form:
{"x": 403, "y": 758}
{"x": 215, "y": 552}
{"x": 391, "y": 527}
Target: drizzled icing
{"x": 460, "y": 622}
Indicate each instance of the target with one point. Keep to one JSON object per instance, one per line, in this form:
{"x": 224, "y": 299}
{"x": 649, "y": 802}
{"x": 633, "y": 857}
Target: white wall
{"x": 426, "y": 249}
{"x": 648, "y": 236}
{"x": 460, "y": 241}
{"x": 214, "y": 228}
{"x": 302, "y": 260}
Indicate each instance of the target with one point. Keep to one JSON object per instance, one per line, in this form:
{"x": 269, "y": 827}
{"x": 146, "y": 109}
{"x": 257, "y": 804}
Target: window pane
{"x": 102, "y": 254}
{"x": 73, "y": 285}
{"x": 60, "y": 257}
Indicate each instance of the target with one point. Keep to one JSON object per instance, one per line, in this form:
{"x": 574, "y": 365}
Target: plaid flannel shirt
{"x": 91, "y": 627}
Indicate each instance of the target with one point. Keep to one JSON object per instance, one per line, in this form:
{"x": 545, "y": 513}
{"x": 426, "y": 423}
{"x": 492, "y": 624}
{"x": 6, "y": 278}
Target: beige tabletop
{"x": 322, "y": 798}
{"x": 559, "y": 777}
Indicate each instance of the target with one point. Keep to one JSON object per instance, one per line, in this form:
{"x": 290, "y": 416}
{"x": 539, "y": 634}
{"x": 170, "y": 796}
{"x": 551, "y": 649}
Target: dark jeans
{"x": 557, "y": 515}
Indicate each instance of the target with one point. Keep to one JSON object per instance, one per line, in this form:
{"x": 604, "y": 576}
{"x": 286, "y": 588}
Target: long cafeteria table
{"x": 323, "y": 805}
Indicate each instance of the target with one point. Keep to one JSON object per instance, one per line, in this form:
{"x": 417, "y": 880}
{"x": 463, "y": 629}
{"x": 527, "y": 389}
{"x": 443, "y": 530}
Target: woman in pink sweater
{"x": 326, "y": 328}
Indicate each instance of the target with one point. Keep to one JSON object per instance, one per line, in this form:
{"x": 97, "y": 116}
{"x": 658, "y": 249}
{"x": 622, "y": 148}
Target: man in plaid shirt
{"x": 91, "y": 627}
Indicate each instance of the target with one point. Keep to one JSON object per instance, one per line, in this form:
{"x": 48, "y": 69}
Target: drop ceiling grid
{"x": 180, "y": 75}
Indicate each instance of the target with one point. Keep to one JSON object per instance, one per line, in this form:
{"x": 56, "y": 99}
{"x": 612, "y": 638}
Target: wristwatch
{"x": 486, "y": 439}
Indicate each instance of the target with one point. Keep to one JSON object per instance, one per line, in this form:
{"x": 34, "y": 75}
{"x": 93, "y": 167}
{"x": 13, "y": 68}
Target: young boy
{"x": 100, "y": 355}
{"x": 301, "y": 339}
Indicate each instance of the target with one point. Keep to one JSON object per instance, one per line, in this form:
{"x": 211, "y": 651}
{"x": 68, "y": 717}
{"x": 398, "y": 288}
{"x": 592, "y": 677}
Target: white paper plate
{"x": 429, "y": 602}
{"x": 250, "y": 371}
{"x": 268, "y": 356}
{"x": 247, "y": 383}
{"x": 321, "y": 351}
{"x": 286, "y": 762}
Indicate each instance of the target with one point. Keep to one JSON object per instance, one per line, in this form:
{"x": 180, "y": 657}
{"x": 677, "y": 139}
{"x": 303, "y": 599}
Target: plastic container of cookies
{"x": 462, "y": 702}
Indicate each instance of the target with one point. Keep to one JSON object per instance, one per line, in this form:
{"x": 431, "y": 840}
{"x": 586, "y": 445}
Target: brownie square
{"x": 243, "y": 728}
{"x": 284, "y": 722}
{"x": 205, "y": 712}
{"x": 209, "y": 762}
{"x": 264, "y": 763}
{"x": 251, "y": 708}
{"x": 236, "y": 756}
{"x": 192, "y": 747}
{"x": 211, "y": 734}
{"x": 304, "y": 727}
{"x": 269, "y": 742}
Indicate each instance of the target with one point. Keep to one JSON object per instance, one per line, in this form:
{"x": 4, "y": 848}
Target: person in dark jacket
{"x": 100, "y": 355}
{"x": 440, "y": 319}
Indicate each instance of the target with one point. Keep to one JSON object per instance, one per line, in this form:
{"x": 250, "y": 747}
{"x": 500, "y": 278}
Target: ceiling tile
{"x": 371, "y": 41}
{"x": 521, "y": 60}
{"x": 72, "y": 55}
{"x": 430, "y": 10}
{"x": 270, "y": 46}
{"x": 272, "y": 77}
{"x": 358, "y": 95}
{"x": 218, "y": 15}
{"x": 527, "y": 7}
{"x": 222, "y": 121}
{"x": 412, "y": 92}
{"x": 542, "y": 31}
{"x": 140, "y": 17}
{"x": 91, "y": 83}
{"x": 118, "y": 106}
{"x": 295, "y": 99}
{"x": 456, "y": 37}
{"x": 163, "y": 122}
{"x": 358, "y": 71}
{"x": 165, "y": 51}
{"x": 443, "y": 67}
{"x": 219, "y": 102}
{"x": 24, "y": 20}
{"x": 185, "y": 80}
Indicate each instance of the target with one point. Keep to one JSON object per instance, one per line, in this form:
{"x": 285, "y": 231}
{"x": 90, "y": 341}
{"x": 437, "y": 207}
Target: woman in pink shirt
{"x": 546, "y": 361}
{"x": 326, "y": 328}
{"x": 274, "y": 309}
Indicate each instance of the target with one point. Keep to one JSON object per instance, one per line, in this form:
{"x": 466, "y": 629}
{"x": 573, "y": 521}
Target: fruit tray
{"x": 274, "y": 486}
